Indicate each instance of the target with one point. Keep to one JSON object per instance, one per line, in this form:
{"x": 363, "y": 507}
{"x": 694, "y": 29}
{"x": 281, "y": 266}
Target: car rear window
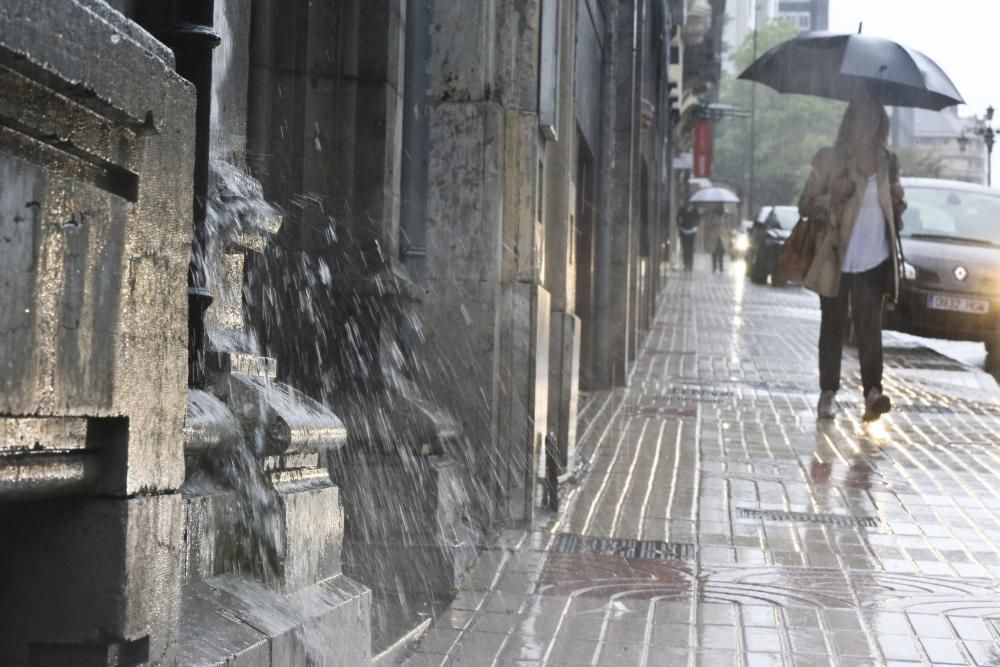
{"x": 787, "y": 216}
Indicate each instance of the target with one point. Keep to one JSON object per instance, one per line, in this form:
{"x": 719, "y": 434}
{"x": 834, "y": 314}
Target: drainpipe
{"x": 663, "y": 178}
{"x": 415, "y": 153}
{"x": 259, "y": 97}
{"x": 190, "y": 36}
{"x": 632, "y": 290}
{"x": 416, "y": 140}
{"x": 605, "y": 209}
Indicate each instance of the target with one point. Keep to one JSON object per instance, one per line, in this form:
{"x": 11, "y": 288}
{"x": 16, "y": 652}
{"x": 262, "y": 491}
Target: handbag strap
{"x": 894, "y": 178}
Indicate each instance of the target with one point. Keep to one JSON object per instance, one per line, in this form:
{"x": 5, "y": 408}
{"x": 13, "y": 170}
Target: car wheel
{"x": 777, "y": 280}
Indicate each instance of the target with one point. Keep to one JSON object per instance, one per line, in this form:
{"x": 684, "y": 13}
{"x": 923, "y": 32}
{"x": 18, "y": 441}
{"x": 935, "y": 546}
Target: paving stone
{"x": 861, "y": 545}
{"x": 943, "y": 651}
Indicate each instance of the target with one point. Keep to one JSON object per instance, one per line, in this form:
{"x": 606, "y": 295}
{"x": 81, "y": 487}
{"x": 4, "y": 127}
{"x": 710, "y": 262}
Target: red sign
{"x": 702, "y": 149}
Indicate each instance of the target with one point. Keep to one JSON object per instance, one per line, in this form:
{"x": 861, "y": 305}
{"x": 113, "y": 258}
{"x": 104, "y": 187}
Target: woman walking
{"x": 715, "y": 232}
{"x": 854, "y": 192}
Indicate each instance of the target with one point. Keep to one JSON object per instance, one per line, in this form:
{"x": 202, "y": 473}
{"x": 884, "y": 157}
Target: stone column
{"x": 560, "y": 244}
{"x": 465, "y": 171}
{"x": 487, "y": 335}
{"x": 621, "y": 312}
{"x": 461, "y": 310}
{"x": 524, "y": 319}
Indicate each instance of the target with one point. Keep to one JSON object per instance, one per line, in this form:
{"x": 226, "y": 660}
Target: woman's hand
{"x": 896, "y": 192}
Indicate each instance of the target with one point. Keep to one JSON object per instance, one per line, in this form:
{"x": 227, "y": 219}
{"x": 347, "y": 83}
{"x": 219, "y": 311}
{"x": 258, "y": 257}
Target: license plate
{"x": 958, "y": 304}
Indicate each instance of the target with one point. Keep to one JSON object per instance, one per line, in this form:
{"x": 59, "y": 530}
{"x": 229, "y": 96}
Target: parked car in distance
{"x": 739, "y": 240}
{"x": 951, "y": 247}
{"x": 770, "y": 229}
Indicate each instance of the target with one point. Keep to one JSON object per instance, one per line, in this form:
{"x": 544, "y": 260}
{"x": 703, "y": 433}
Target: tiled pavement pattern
{"x": 791, "y": 543}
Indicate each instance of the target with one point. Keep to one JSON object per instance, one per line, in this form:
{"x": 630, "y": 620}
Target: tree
{"x": 919, "y": 163}
{"x": 789, "y": 130}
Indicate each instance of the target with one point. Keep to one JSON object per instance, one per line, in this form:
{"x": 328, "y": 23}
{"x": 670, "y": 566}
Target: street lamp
{"x": 753, "y": 115}
{"x": 988, "y": 134}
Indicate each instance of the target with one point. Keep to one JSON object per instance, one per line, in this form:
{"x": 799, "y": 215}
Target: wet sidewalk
{"x": 715, "y": 523}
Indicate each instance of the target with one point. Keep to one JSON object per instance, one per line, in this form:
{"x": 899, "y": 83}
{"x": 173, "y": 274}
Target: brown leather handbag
{"x": 799, "y": 250}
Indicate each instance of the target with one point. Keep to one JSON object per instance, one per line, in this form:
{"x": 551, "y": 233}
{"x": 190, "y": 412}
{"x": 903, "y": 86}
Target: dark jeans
{"x": 687, "y": 250}
{"x": 718, "y": 255}
{"x": 864, "y": 291}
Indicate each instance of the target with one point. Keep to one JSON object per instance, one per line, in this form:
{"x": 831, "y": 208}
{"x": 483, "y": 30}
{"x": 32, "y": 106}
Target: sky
{"x": 962, "y": 36}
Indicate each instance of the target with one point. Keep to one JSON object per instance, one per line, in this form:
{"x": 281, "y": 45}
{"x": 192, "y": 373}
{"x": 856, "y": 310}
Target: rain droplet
{"x": 324, "y": 273}
{"x": 115, "y": 38}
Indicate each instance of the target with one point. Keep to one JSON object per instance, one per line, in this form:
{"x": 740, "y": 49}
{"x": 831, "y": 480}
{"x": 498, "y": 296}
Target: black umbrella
{"x": 847, "y": 66}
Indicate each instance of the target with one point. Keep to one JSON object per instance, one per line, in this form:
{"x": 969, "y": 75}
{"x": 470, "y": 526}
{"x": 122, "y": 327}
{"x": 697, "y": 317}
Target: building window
{"x": 802, "y": 20}
{"x": 548, "y": 79}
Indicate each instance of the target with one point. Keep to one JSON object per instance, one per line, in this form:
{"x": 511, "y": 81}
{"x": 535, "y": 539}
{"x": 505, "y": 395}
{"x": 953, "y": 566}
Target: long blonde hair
{"x": 856, "y": 112}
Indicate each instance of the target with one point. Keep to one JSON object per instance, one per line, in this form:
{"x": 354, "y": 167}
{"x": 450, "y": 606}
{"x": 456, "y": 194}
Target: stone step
{"x": 408, "y": 536}
{"x": 308, "y": 527}
{"x": 231, "y": 620}
{"x": 291, "y": 420}
{"x": 419, "y": 565}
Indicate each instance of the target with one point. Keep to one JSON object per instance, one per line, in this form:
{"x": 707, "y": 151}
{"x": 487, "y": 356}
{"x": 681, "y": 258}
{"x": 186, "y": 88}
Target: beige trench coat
{"x": 815, "y": 203}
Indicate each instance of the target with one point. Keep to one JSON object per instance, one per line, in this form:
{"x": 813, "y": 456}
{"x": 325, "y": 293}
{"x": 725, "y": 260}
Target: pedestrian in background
{"x": 854, "y": 192}
{"x": 687, "y": 228}
{"x": 719, "y": 251}
{"x": 716, "y": 233}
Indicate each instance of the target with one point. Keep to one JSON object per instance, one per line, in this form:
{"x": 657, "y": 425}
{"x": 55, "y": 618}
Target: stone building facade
{"x": 949, "y": 139}
{"x": 305, "y": 296}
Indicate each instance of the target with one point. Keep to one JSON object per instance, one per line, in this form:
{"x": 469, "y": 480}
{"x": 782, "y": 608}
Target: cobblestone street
{"x": 716, "y": 523}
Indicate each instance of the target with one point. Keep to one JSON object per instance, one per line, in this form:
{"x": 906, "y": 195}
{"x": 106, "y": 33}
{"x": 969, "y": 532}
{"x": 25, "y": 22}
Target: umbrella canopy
{"x": 714, "y": 196}
{"x": 847, "y": 66}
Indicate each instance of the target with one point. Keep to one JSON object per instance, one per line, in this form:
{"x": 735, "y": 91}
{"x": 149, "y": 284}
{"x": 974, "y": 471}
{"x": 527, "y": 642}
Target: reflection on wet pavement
{"x": 745, "y": 533}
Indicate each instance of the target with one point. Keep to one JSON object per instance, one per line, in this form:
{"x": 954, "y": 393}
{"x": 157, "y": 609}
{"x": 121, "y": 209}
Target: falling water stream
{"x": 236, "y": 208}
{"x": 283, "y": 292}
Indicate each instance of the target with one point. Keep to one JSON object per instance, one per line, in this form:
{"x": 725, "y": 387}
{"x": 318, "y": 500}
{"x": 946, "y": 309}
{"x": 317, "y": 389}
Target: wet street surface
{"x": 716, "y": 523}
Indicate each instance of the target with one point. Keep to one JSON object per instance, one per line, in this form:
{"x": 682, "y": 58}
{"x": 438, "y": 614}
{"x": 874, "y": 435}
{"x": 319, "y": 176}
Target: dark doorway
{"x": 645, "y": 291}
{"x": 583, "y": 231}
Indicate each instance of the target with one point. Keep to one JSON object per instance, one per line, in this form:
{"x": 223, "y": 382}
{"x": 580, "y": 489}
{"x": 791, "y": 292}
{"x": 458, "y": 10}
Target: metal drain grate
{"x": 697, "y": 392}
{"x": 777, "y": 387}
{"x": 570, "y": 543}
{"x": 953, "y": 408}
{"x": 808, "y": 517}
{"x": 659, "y": 411}
{"x": 926, "y": 409}
{"x": 921, "y": 358}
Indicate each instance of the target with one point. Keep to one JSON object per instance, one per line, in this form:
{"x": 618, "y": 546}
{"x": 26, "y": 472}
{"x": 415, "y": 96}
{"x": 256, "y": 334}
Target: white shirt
{"x": 869, "y": 245}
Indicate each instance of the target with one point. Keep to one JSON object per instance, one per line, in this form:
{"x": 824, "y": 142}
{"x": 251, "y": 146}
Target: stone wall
{"x": 448, "y": 378}
{"x": 96, "y": 148}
